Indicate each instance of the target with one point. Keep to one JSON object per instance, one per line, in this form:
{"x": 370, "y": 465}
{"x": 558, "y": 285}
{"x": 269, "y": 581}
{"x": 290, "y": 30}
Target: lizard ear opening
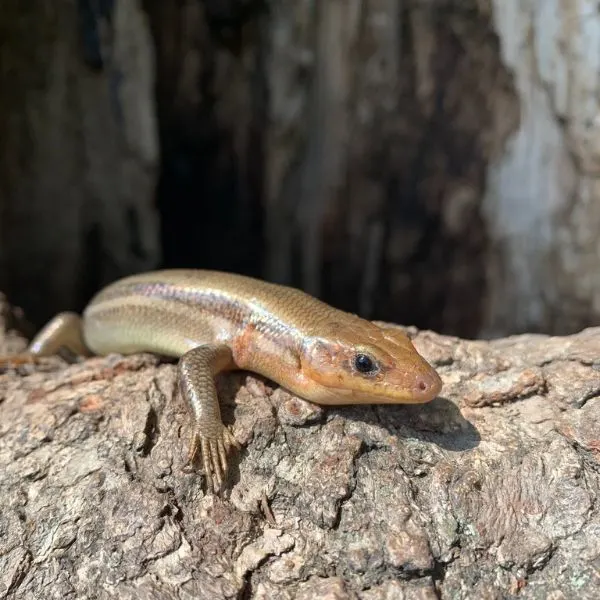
{"x": 319, "y": 361}
{"x": 320, "y": 353}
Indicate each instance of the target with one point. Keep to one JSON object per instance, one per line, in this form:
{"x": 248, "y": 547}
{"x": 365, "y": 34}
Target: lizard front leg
{"x": 197, "y": 370}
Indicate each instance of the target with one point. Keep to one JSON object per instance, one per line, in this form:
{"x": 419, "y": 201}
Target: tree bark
{"x": 402, "y": 160}
{"x": 490, "y": 491}
{"x": 431, "y": 163}
{"x": 541, "y": 203}
{"x": 386, "y": 115}
{"x": 78, "y": 151}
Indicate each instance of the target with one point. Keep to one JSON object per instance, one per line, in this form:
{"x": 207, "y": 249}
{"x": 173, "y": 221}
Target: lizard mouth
{"x": 423, "y": 391}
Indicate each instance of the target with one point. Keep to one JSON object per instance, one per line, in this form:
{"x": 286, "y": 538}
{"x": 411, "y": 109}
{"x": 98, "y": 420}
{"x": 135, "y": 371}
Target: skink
{"x": 214, "y": 322}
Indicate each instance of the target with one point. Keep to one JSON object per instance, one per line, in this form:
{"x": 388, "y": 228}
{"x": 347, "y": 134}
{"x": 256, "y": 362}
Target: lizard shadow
{"x": 439, "y": 422}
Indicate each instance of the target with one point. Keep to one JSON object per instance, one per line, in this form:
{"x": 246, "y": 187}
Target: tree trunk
{"x": 542, "y": 206}
{"x": 429, "y": 163}
{"x": 490, "y": 491}
{"x": 442, "y": 170}
{"x": 426, "y": 162}
{"x": 78, "y": 151}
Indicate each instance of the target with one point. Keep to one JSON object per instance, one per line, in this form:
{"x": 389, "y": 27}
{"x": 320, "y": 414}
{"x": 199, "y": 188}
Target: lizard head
{"x": 367, "y": 364}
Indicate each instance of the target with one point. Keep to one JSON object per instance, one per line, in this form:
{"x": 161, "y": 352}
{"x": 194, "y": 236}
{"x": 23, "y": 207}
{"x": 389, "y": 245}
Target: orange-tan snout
{"x": 412, "y": 380}
{"x": 426, "y": 384}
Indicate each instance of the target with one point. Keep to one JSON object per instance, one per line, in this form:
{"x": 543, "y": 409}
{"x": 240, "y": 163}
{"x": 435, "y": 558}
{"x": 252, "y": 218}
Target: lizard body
{"x": 215, "y": 321}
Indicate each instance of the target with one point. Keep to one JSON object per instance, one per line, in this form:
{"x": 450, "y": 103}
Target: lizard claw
{"x": 214, "y": 451}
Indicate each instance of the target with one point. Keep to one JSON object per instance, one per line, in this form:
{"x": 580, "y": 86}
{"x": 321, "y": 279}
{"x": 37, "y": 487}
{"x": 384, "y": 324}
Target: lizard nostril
{"x": 428, "y": 386}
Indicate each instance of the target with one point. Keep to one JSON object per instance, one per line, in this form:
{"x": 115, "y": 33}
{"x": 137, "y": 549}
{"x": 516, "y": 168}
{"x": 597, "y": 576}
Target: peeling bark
{"x": 540, "y": 204}
{"x": 490, "y": 491}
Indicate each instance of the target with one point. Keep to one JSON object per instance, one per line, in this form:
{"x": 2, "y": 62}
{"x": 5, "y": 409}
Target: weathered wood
{"x": 385, "y": 115}
{"x": 407, "y": 159}
{"x": 490, "y": 491}
{"x": 541, "y": 204}
{"x": 404, "y": 160}
{"x": 78, "y": 154}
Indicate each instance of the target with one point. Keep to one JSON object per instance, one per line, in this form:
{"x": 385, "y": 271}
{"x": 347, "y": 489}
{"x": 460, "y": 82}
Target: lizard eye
{"x": 365, "y": 364}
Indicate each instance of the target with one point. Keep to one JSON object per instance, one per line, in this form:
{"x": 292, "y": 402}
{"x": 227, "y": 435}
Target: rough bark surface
{"x": 490, "y": 491}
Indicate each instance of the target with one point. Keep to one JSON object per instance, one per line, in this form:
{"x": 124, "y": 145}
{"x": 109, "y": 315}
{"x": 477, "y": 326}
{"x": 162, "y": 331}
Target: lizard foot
{"x": 214, "y": 451}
